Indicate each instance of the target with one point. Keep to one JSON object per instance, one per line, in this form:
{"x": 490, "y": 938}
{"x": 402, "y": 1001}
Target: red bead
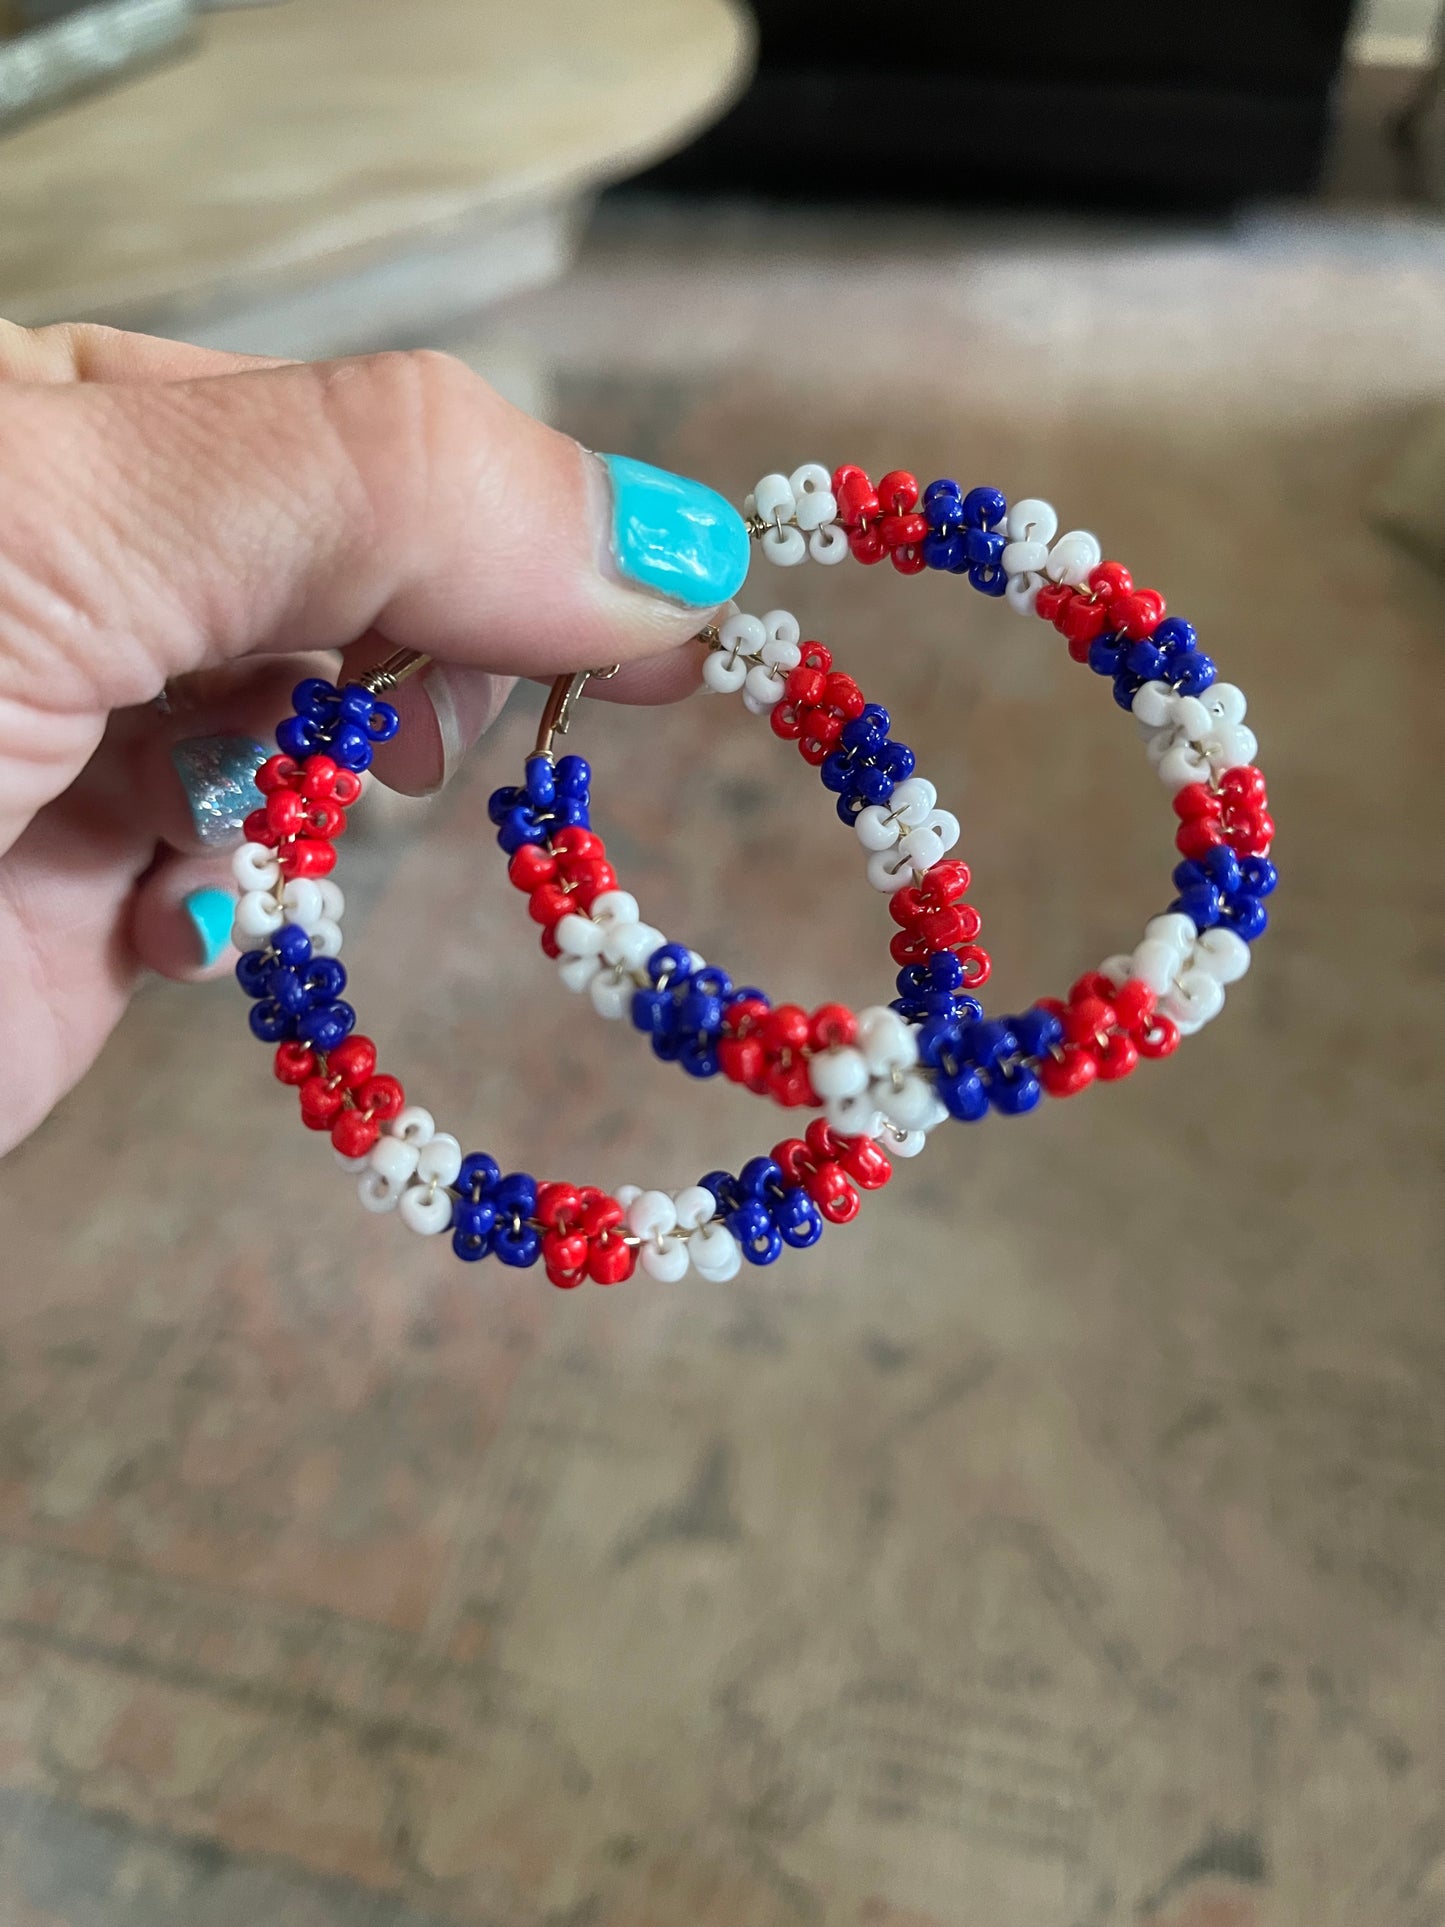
{"x": 1051, "y": 599}
{"x": 1244, "y": 785}
{"x": 285, "y": 813}
{"x": 1082, "y": 622}
{"x": 795, "y": 1160}
{"x": 790, "y": 1084}
{"x": 382, "y": 1096}
{"x": 832, "y": 1024}
{"x": 856, "y": 497}
{"x": 353, "y": 1060}
{"x": 321, "y": 1102}
{"x": 948, "y": 880}
{"x": 977, "y": 964}
{"x": 530, "y": 866}
{"x": 1199, "y": 835}
{"x": 576, "y": 843}
{"x": 345, "y": 788}
{"x": 353, "y": 1134}
{"x": 786, "y": 721}
{"x": 834, "y": 1196}
{"x": 565, "y": 1251}
{"x": 1134, "y": 1005}
{"x": 785, "y": 1028}
{"x": 294, "y": 1063}
{"x": 867, "y": 545}
{"x": 898, "y": 491}
{"x": 557, "y": 1204}
{"x": 1196, "y": 799}
{"x": 1087, "y": 1020}
{"x": 592, "y": 878}
{"x": 910, "y": 560}
{"x": 1110, "y": 579}
{"x": 611, "y": 1261}
{"x": 903, "y": 531}
{"x": 549, "y": 945}
{"x": 1067, "y": 1075}
{"x": 565, "y": 1280}
{"x": 1136, "y": 613}
{"x": 256, "y": 828}
{"x": 822, "y": 1140}
{"x": 548, "y": 904}
{"x": 307, "y": 857}
{"x": 743, "y": 1059}
{"x": 805, "y": 685}
{"x": 316, "y": 776}
{"x": 1116, "y": 1056}
{"x": 325, "y": 819}
{"x": 1093, "y": 983}
{"x": 274, "y": 774}
{"x": 865, "y": 1162}
{"x": 1160, "y": 1039}
{"x": 1254, "y": 836}
{"x": 820, "y": 733}
{"x": 841, "y": 693}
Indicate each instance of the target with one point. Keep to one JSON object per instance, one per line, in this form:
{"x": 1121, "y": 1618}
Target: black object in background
{"x": 1134, "y": 101}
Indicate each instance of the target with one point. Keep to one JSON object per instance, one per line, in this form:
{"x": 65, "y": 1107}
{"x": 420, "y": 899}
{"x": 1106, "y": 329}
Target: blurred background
{"x": 1063, "y": 1543}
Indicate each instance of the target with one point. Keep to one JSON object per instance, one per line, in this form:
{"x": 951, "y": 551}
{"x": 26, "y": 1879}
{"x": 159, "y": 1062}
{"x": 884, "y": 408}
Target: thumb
{"x": 151, "y": 529}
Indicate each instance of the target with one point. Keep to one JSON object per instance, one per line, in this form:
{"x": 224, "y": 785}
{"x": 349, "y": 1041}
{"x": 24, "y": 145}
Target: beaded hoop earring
{"x": 883, "y": 1077}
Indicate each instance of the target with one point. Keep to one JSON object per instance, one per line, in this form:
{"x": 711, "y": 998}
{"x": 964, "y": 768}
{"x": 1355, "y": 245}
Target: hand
{"x": 174, "y": 517}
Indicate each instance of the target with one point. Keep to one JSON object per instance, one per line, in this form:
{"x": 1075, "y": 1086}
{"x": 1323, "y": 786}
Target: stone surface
{"x": 1061, "y": 1545}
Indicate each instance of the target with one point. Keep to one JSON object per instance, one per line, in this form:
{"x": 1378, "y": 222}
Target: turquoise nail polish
{"x": 218, "y": 776}
{"x": 212, "y": 912}
{"x": 674, "y": 536}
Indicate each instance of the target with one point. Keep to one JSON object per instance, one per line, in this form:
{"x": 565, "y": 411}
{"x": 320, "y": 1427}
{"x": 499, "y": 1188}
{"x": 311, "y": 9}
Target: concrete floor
{"x": 1062, "y": 1545}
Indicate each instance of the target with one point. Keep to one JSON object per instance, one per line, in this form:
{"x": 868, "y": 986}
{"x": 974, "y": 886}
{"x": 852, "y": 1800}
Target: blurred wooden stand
{"x": 336, "y": 175}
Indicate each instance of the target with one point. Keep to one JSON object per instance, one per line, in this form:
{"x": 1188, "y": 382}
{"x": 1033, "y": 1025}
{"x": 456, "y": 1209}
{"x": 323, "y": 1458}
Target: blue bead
{"x": 945, "y": 551}
{"x": 515, "y": 1243}
{"x": 671, "y": 960}
{"x": 848, "y": 807}
{"x": 541, "y": 781}
{"x": 253, "y": 970}
{"x": 324, "y": 1025}
{"x": 1015, "y": 1092}
{"x": 868, "y": 731}
{"x": 325, "y": 979}
{"x": 946, "y": 971}
{"x": 914, "y": 978}
{"x": 1146, "y": 661}
{"x": 650, "y": 1011}
{"x": 292, "y": 945}
{"x": 287, "y": 991}
{"x": 715, "y": 981}
{"x": 799, "y": 1221}
{"x": 568, "y": 810}
{"x": 1257, "y": 876}
{"x": 983, "y": 548}
{"x": 896, "y": 760}
{"x": 356, "y": 705}
{"x": 874, "y": 785}
{"x": 313, "y": 696}
{"x": 836, "y": 771}
{"x": 1126, "y": 688}
{"x": 502, "y": 802}
{"x": 270, "y": 1022}
{"x": 963, "y": 1092}
{"x": 967, "y": 1009}
{"x": 983, "y": 507}
{"x": 939, "y": 1043}
{"x": 1200, "y": 903}
{"x": 516, "y": 1194}
{"x": 1174, "y": 632}
{"x": 473, "y": 1221}
{"x": 1038, "y": 1031}
{"x": 699, "y": 1011}
{"x": 1106, "y": 653}
{"x": 988, "y": 581}
{"x": 296, "y": 736}
{"x": 986, "y": 1043}
{"x": 479, "y": 1174}
{"x": 755, "y": 1232}
{"x": 520, "y": 827}
{"x": 383, "y": 723}
{"x": 943, "y": 489}
{"x": 1192, "y": 673}
{"x": 1246, "y": 917}
{"x": 724, "y": 1187}
{"x": 574, "y": 777}
{"x": 350, "y": 746}
{"x": 760, "y": 1177}
{"x": 667, "y": 1045}
{"x": 698, "y": 1057}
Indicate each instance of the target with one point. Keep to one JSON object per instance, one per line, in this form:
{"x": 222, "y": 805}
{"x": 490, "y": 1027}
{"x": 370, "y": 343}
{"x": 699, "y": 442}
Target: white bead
{"x": 393, "y": 1159}
{"x": 888, "y": 871}
{"x": 922, "y": 847}
{"x": 1025, "y": 558}
{"x": 723, "y": 675}
{"x": 782, "y": 631}
{"x": 765, "y": 686}
{"x": 1192, "y": 1000}
{"x": 876, "y": 828}
{"x": 577, "y": 972}
{"x": 257, "y": 915}
{"x": 1182, "y": 762}
{"x": 1155, "y": 964}
{"x": 333, "y": 904}
{"x": 304, "y": 902}
{"x": 629, "y": 945}
{"x": 414, "y": 1125}
{"x": 912, "y": 799}
{"x": 425, "y": 1210}
{"x": 1173, "y": 927}
{"x": 667, "y": 1263}
{"x": 354, "y": 1165}
{"x": 625, "y": 1193}
{"x": 1154, "y": 704}
{"x": 652, "y": 1215}
{"x": 786, "y": 546}
{"x": 838, "y": 1073}
{"x": 1118, "y": 970}
{"x": 828, "y": 545}
{"x": 1022, "y": 592}
{"x": 615, "y": 907}
{"x": 325, "y": 935}
{"x": 1073, "y": 557}
{"x": 887, "y": 1043}
{"x": 1032, "y": 521}
{"x": 611, "y": 995}
{"x": 947, "y": 826}
{"x": 378, "y": 1193}
{"x": 905, "y": 1144}
{"x": 773, "y": 496}
{"x": 754, "y": 707}
{"x": 715, "y": 1254}
{"x": 695, "y": 1206}
{"x": 816, "y": 511}
{"x": 812, "y": 482}
{"x": 742, "y": 635}
{"x": 857, "y": 1116}
{"x": 912, "y": 1104}
{"x": 440, "y": 1159}
{"x": 254, "y": 867}
{"x": 579, "y": 936}
{"x": 1223, "y": 953}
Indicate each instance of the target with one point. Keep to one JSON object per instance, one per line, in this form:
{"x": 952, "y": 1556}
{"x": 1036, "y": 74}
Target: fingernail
{"x": 211, "y": 912}
{"x": 674, "y": 536}
{"x": 218, "y": 776}
{"x": 437, "y": 688}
